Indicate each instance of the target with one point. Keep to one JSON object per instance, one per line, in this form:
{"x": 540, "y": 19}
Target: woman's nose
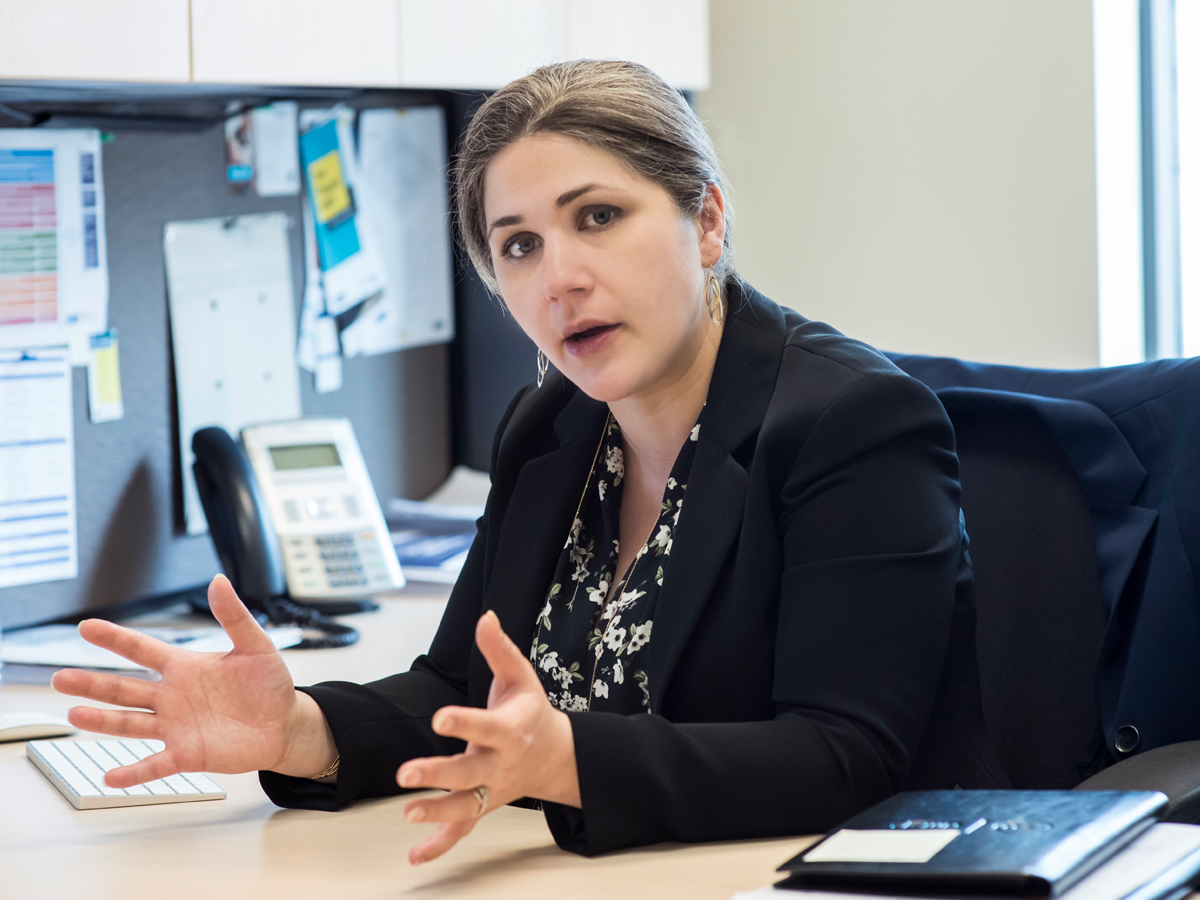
{"x": 563, "y": 269}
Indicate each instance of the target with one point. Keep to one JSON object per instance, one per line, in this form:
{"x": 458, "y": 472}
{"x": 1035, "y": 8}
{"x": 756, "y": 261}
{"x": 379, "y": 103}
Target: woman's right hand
{"x": 216, "y": 712}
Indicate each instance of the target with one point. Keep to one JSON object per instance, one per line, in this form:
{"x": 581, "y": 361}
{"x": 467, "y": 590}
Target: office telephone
{"x": 294, "y": 517}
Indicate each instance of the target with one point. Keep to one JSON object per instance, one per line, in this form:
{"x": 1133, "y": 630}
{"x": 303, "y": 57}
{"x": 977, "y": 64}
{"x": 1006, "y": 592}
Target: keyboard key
{"x": 66, "y": 771}
{"x": 88, "y": 769}
{"x": 180, "y": 785}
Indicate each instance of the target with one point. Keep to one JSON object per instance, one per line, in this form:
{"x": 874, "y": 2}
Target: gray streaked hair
{"x": 621, "y": 107}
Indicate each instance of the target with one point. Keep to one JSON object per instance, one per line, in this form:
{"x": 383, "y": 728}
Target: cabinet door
{"x": 295, "y": 42}
{"x": 113, "y": 40}
{"x": 668, "y": 36}
{"x": 477, "y": 43}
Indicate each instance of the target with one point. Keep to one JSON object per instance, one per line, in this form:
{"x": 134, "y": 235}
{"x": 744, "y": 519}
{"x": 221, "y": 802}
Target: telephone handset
{"x": 251, "y": 553}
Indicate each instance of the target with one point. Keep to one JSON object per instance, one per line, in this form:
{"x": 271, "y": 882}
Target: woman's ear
{"x": 710, "y": 226}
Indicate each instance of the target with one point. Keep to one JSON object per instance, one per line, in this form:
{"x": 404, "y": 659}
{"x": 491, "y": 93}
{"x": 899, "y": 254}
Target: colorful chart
{"x": 28, "y": 238}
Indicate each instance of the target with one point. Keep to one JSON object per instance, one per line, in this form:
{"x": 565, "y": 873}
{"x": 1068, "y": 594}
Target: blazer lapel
{"x": 742, "y": 384}
{"x": 535, "y": 527}
{"x": 708, "y": 526}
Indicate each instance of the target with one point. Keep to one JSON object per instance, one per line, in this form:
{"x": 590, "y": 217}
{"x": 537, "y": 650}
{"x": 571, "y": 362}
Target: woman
{"x": 792, "y": 644}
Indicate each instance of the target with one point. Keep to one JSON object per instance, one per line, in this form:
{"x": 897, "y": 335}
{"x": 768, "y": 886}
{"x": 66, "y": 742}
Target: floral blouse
{"x": 587, "y": 653}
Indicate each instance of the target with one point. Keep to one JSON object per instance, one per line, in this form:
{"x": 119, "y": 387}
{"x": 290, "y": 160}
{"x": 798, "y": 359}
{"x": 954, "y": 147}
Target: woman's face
{"x": 598, "y": 266}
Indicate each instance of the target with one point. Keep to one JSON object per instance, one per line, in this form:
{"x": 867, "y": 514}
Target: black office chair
{"x": 1042, "y": 618}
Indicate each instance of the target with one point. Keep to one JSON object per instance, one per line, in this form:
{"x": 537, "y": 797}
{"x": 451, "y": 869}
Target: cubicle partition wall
{"x": 164, "y": 161}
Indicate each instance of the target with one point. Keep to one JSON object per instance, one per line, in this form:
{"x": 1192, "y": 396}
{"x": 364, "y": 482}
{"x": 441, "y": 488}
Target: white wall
{"x": 918, "y": 173}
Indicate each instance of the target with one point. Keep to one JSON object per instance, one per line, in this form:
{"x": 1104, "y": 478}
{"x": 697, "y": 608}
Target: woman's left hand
{"x": 520, "y": 746}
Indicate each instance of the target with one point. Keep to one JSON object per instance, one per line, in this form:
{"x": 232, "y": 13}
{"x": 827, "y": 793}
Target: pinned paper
{"x": 401, "y": 192}
{"x": 331, "y": 197}
{"x": 229, "y": 286}
{"x": 329, "y": 356}
{"x": 351, "y": 271}
{"x": 37, "y": 467}
{"x": 276, "y": 156}
{"x": 239, "y": 152}
{"x": 53, "y": 255}
{"x": 104, "y": 378}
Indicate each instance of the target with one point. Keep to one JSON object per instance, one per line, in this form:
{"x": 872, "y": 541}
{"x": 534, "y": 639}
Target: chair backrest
{"x": 1041, "y": 617}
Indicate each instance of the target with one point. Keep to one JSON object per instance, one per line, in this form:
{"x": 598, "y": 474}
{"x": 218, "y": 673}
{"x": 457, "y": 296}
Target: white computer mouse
{"x": 32, "y": 726}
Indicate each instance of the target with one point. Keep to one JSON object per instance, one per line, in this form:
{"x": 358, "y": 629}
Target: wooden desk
{"x": 246, "y": 847}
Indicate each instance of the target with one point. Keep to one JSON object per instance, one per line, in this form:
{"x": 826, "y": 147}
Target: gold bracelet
{"x": 332, "y": 770}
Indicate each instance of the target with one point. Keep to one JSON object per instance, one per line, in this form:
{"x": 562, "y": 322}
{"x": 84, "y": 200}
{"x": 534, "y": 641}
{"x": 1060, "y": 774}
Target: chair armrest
{"x": 1173, "y": 769}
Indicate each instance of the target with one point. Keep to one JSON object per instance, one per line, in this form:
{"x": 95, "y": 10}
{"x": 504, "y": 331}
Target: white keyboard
{"x": 77, "y": 769}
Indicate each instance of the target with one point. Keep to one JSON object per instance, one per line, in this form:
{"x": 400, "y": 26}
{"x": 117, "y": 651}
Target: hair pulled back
{"x": 621, "y": 107}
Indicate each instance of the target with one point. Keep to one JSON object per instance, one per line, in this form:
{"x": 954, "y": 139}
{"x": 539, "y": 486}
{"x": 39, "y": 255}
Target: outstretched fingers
{"x": 247, "y": 635}
{"x": 116, "y": 722}
{"x": 440, "y": 841}
{"x": 134, "y": 646}
{"x": 456, "y": 806}
{"x": 153, "y": 767}
{"x": 118, "y": 690}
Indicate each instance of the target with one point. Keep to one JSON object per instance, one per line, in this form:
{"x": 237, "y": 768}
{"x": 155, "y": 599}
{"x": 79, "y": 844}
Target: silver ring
{"x": 481, "y": 794}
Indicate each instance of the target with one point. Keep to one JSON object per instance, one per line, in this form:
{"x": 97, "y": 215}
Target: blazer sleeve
{"x": 868, "y": 526}
{"x": 380, "y": 725}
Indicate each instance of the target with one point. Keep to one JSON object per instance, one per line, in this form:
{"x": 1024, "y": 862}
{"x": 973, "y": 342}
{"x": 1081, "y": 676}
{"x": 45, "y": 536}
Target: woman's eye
{"x": 600, "y": 217}
{"x": 522, "y": 246}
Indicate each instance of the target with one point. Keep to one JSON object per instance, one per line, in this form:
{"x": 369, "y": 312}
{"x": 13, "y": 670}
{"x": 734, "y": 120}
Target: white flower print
{"x": 678, "y": 507}
{"x": 615, "y": 637}
{"x": 614, "y": 461}
{"x": 577, "y": 703}
{"x": 601, "y": 486}
{"x": 696, "y": 433}
{"x": 644, "y": 683}
{"x": 601, "y": 689}
{"x": 671, "y": 482}
{"x": 638, "y": 636}
{"x": 618, "y": 673}
{"x": 662, "y": 540}
{"x": 549, "y": 661}
{"x": 573, "y": 535}
{"x": 628, "y": 598}
{"x": 599, "y": 592}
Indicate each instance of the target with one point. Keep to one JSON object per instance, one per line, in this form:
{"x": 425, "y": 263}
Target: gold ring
{"x": 481, "y": 794}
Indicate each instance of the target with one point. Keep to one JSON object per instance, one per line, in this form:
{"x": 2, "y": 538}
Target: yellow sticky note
{"x": 105, "y": 403}
{"x": 330, "y": 194}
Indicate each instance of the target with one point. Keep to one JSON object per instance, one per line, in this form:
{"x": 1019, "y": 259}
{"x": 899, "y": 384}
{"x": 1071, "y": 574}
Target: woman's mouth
{"x": 589, "y": 340}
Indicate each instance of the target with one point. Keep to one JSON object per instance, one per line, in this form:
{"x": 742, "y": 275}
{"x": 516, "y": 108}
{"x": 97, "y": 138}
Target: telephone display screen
{"x": 304, "y": 456}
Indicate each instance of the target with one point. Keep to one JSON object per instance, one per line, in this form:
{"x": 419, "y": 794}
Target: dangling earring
{"x": 543, "y": 367}
{"x": 715, "y": 298}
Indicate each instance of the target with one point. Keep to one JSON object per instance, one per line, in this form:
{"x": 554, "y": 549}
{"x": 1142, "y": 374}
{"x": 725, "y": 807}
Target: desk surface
{"x": 245, "y": 846}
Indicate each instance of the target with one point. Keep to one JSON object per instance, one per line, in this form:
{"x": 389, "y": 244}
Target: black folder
{"x": 1017, "y": 843}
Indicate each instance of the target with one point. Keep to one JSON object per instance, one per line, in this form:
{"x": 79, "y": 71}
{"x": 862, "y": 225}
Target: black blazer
{"x": 813, "y": 642}
{"x": 1131, "y": 434}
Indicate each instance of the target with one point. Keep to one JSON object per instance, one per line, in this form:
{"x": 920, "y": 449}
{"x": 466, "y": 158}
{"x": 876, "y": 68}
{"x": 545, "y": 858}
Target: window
{"x": 1147, "y": 84}
{"x": 1187, "y": 64}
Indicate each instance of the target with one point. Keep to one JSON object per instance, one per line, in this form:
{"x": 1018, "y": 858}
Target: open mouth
{"x": 582, "y": 337}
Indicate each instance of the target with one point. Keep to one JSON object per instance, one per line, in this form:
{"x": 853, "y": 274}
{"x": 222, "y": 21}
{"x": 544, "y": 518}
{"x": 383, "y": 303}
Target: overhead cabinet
{"x": 465, "y": 44}
{"x": 113, "y": 40}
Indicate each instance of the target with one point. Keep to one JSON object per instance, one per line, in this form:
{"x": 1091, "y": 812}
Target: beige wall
{"x": 918, "y": 173}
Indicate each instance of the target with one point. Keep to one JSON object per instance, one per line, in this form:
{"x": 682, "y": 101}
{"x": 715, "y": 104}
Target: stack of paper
{"x": 61, "y": 645}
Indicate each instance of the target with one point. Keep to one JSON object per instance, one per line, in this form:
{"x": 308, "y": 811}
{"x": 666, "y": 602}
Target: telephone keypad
{"x": 349, "y": 564}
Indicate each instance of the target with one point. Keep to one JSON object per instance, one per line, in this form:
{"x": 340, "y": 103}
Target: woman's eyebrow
{"x": 566, "y": 198}
{"x": 504, "y": 220}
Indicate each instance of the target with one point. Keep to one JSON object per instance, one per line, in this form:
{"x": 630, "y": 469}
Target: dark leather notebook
{"x": 1018, "y": 843}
